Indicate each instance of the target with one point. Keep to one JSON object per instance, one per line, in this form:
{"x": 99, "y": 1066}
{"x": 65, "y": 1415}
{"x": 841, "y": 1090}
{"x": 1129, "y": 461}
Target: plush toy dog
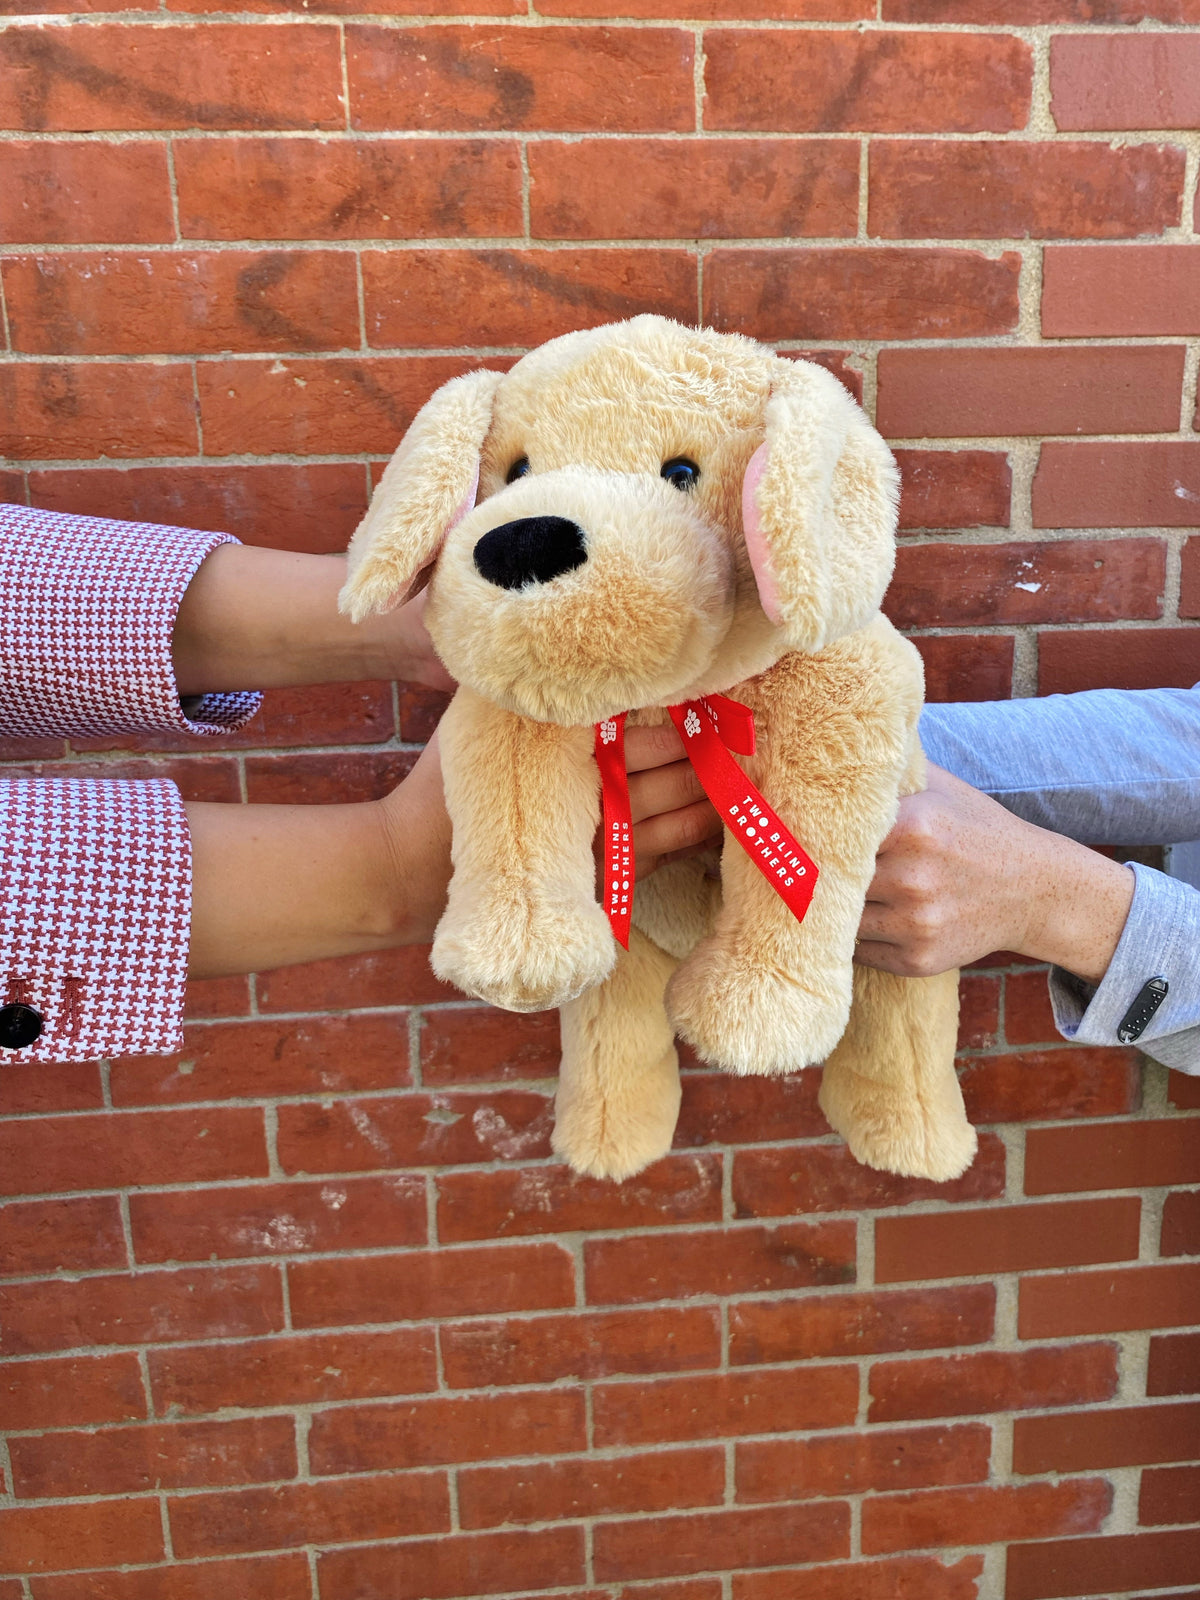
{"x": 632, "y": 518}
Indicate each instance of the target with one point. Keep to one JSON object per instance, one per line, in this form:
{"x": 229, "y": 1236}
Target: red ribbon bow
{"x": 710, "y": 727}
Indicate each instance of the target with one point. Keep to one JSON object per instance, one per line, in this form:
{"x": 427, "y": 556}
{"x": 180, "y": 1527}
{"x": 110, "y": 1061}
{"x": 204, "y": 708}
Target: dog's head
{"x": 630, "y": 516}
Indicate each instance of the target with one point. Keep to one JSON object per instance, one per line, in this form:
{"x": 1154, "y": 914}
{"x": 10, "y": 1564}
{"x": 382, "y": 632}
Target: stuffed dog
{"x": 631, "y": 518}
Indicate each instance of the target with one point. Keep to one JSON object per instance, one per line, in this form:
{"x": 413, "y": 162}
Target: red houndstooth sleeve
{"x": 87, "y": 609}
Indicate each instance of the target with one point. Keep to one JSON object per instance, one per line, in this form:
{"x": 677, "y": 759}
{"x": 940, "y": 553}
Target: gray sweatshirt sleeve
{"x": 1106, "y": 766}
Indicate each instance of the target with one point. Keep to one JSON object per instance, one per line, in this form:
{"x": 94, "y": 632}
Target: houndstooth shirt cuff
{"x": 87, "y": 610}
{"x": 95, "y": 914}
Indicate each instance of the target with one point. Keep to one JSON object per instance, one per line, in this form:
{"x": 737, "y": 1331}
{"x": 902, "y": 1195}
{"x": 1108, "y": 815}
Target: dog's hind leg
{"x": 618, "y": 1086}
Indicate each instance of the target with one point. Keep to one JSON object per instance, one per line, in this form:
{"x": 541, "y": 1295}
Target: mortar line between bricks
{"x": 173, "y": 190}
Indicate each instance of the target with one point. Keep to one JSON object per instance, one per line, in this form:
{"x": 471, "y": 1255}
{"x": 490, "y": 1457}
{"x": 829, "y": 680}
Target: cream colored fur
{"x": 672, "y": 601}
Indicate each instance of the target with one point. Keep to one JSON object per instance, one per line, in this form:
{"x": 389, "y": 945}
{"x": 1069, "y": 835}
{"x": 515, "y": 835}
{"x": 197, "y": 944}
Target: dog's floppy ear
{"x": 430, "y": 483}
{"x": 819, "y": 510}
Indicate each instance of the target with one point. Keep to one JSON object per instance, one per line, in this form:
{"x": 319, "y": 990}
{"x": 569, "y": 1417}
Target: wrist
{"x": 1076, "y": 919}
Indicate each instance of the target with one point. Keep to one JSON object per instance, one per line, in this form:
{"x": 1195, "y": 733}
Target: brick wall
{"x": 309, "y": 1313}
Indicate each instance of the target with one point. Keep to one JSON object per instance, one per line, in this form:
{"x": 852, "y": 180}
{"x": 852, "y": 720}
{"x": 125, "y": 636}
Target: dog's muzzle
{"x": 530, "y": 550}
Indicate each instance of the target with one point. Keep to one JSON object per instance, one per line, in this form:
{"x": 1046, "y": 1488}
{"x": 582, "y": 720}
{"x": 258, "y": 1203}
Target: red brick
{"x": 385, "y": 8}
{"x": 812, "y": 1326}
{"x": 1171, "y": 1494}
{"x": 984, "y": 1516}
{"x": 47, "y": 1538}
{"x": 1181, "y": 1225}
{"x": 963, "y": 1244}
{"x": 844, "y": 364}
{"x": 159, "y": 1456}
{"x": 1029, "y": 13}
{"x": 954, "y": 488}
{"x": 1153, "y": 483}
{"x": 84, "y": 193}
{"x": 1119, "y": 1155}
{"x": 283, "y": 1577}
{"x": 1129, "y": 289}
{"x": 910, "y": 1578}
{"x": 663, "y": 1480}
{"x": 337, "y": 779}
{"x": 1183, "y": 1091}
{"x": 414, "y": 1130}
{"x": 55, "y": 411}
{"x": 744, "y": 1260}
{"x": 562, "y": 80}
{"x": 877, "y": 292}
{"x": 1050, "y": 389}
{"x": 978, "y": 1017}
{"x": 826, "y": 82}
{"x": 334, "y": 1511}
{"x": 654, "y": 1547}
{"x": 198, "y": 777}
{"x": 718, "y": 1109}
{"x": 929, "y": 189}
{"x": 148, "y": 1307}
{"x": 1112, "y": 81}
{"x": 553, "y": 1199}
{"x": 71, "y": 1390}
{"x": 426, "y": 1433}
{"x": 421, "y": 710}
{"x": 226, "y": 1060}
{"x": 455, "y": 1567}
{"x": 111, "y": 1152}
{"x": 776, "y": 1182}
{"x": 290, "y": 507}
{"x": 1109, "y": 1302}
{"x": 483, "y": 1045}
{"x": 1121, "y": 1436}
{"x": 418, "y": 298}
{"x": 446, "y": 1283}
{"x": 1028, "y": 1014}
{"x": 694, "y": 189}
{"x": 294, "y": 1370}
{"x": 172, "y": 303}
{"x": 713, "y": 10}
{"x": 1094, "y": 1566}
{"x": 278, "y": 1219}
{"x": 481, "y": 1355}
{"x": 308, "y": 407}
{"x": 862, "y": 1462}
{"x": 61, "y": 1236}
{"x": 378, "y": 978}
{"x": 217, "y": 997}
{"x": 967, "y": 666}
{"x": 339, "y": 189}
{"x": 724, "y": 1405}
{"x": 992, "y": 1380}
{"x": 1034, "y": 1085}
{"x": 1174, "y": 1366}
{"x": 1070, "y": 580}
{"x": 218, "y": 75}
{"x": 12, "y": 491}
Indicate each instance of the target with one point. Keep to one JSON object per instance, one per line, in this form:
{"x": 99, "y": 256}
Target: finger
{"x": 659, "y": 789}
{"x": 884, "y": 957}
{"x": 651, "y": 747}
{"x": 879, "y": 923}
{"x": 676, "y": 830}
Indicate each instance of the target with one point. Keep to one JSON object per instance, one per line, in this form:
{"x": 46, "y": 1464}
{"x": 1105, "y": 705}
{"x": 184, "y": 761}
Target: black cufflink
{"x": 1146, "y": 1002}
{"x": 19, "y": 1026}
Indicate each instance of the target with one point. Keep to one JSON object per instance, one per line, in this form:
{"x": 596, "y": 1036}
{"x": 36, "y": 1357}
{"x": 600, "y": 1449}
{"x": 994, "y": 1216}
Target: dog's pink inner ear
{"x": 421, "y": 581}
{"x": 756, "y": 539}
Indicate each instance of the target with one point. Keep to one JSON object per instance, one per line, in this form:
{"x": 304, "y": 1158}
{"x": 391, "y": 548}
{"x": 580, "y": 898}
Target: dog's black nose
{"x": 530, "y": 550}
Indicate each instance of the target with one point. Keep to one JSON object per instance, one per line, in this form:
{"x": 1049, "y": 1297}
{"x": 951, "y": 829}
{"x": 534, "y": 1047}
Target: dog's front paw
{"x": 747, "y": 1018}
{"x": 524, "y": 959}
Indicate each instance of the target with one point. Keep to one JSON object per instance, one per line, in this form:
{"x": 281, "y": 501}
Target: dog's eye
{"x": 680, "y": 473}
{"x": 518, "y": 469}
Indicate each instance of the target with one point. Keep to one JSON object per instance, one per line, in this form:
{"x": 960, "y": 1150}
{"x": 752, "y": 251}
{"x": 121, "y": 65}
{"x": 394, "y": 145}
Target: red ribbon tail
{"x": 618, "y": 827}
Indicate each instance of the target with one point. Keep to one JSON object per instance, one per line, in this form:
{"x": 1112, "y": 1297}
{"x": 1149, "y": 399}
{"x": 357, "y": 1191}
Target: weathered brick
{"x": 978, "y": 1015}
{"x": 1124, "y": 1155}
{"x": 825, "y": 82}
{"x": 126, "y": 303}
{"x": 718, "y": 1109}
{"x": 1035, "y": 1085}
{"x": 48, "y": 1538}
{"x": 713, "y": 11}
{"x": 71, "y": 1391}
{"x": 931, "y": 189}
{"x": 417, "y": 1284}
{"x": 744, "y": 1260}
{"x": 82, "y": 1235}
{"x": 1128, "y": 289}
{"x": 295, "y": 1370}
{"x": 1111, "y": 80}
{"x": 86, "y": 193}
{"x": 662, "y": 1480}
{"x": 1171, "y": 1494}
{"x": 967, "y": 666}
{"x": 1031, "y": 13}
{"x": 1047, "y": 389}
{"x": 1028, "y": 1014}
{"x": 377, "y": 978}
{"x": 812, "y": 1326}
{"x": 868, "y": 292}
{"x": 1119, "y": 1436}
{"x": 693, "y": 189}
{"x": 1007, "y": 1239}
{"x": 1109, "y": 1302}
{"x": 1152, "y": 658}
{"x": 135, "y": 76}
{"x": 426, "y": 1433}
{"x": 339, "y": 778}
{"x": 724, "y": 1404}
{"x": 197, "y": 777}
{"x": 1174, "y": 1365}
{"x": 777, "y": 1182}
{"x": 992, "y": 1380}
{"x": 125, "y": 1461}
{"x": 984, "y": 1515}
{"x": 339, "y": 189}
{"x": 217, "y": 997}
{"x": 564, "y": 80}
{"x": 909, "y": 1578}
{"x": 483, "y": 1045}
{"x": 1119, "y": 1563}
{"x": 1183, "y": 1091}
{"x": 454, "y": 1567}
{"x": 538, "y": 1350}
{"x": 1189, "y": 586}
{"x": 414, "y": 1130}
{"x": 281, "y": 1577}
{"x": 655, "y": 1547}
{"x": 418, "y": 298}
{"x": 954, "y": 488}
{"x": 867, "y": 1462}
{"x": 1181, "y": 1224}
{"x": 1153, "y": 483}
{"x": 58, "y": 411}
{"x": 332, "y": 1511}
